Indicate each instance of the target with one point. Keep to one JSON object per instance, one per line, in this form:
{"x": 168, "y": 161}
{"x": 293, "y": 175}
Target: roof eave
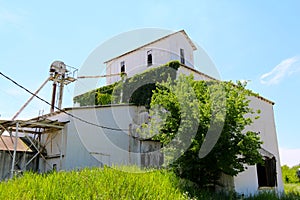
{"x": 157, "y": 40}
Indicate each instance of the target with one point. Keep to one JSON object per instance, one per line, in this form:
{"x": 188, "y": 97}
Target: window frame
{"x": 267, "y": 173}
{"x": 149, "y": 55}
{"x": 182, "y": 58}
{"x": 122, "y": 67}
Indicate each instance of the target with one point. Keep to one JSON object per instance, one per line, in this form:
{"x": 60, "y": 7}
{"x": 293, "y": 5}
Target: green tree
{"x": 205, "y": 124}
{"x": 289, "y": 175}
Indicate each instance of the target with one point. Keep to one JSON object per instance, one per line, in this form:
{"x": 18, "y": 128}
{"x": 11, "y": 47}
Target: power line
{"x": 61, "y": 110}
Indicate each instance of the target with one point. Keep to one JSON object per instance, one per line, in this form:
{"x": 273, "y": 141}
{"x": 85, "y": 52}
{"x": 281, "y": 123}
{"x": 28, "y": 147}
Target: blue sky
{"x": 247, "y": 40}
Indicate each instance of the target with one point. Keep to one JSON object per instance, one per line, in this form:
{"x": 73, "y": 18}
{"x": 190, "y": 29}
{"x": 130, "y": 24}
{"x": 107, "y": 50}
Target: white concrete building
{"x": 103, "y": 134}
{"x": 268, "y": 176}
{"x": 176, "y": 46}
{"x": 105, "y": 139}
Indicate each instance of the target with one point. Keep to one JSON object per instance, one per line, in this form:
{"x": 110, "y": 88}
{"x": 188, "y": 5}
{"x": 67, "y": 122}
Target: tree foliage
{"x": 214, "y": 110}
{"x": 136, "y": 90}
{"x": 99, "y": 96}
{"x": 289, "y": 175}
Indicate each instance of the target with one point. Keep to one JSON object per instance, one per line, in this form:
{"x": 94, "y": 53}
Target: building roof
{"x": 25, "y": 126}
{"x": 157, "y": 40}
{"x": 83, "y": 108}
{"x": 7, "y": 144}
{"x": 194, "y": 48}
{"x": 31, "y": 126}
{"x": 211, "y": 78}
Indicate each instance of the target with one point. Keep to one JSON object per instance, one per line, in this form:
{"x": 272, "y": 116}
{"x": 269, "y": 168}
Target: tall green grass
{"x": 97, "y": 183}
{"x": 110, "y": 183}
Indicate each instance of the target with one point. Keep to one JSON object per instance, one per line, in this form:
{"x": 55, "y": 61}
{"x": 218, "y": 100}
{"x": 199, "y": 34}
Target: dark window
{"x": 122, "y": 64}
{"x": 266, "y": 173}
{"x": 182, "y": 60}
{"x": 54, "y": 167}
{"x": 149, "y": 57}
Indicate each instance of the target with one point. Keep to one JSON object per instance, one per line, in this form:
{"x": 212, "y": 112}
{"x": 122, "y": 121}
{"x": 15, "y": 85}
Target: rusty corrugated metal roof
{"x": 7, "y": 144}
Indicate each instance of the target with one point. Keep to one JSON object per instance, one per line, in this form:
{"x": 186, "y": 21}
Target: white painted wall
{"x": 163, "y": 51}
{"x": 75, "y": 156}
{"x": 108, "y": 146}
{"x": 55, "y": 143}
{"x": 188, "y": 71}
{"x": 247, "y": 181}
{"x": 87, "y": 145}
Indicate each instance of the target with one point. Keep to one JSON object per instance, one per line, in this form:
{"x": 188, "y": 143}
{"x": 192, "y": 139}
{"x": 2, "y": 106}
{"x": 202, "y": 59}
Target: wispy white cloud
{"x": 285, "y": 68}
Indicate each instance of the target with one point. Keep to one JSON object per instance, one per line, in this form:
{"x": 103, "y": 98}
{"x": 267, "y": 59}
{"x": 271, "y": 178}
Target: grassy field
{"x": 108, "y": 183}
{"x": 291, "y": 181}
{"x": 105, "y": 183}
{"x": 292, "y": 187}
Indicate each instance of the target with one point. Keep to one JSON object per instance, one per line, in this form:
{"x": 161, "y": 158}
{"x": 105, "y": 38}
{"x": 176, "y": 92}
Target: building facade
{"x": 178, "y": 46}
{"x": 109, "y": 139}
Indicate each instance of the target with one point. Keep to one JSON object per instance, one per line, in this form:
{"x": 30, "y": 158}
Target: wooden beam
{"x": 43, "y": 125}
